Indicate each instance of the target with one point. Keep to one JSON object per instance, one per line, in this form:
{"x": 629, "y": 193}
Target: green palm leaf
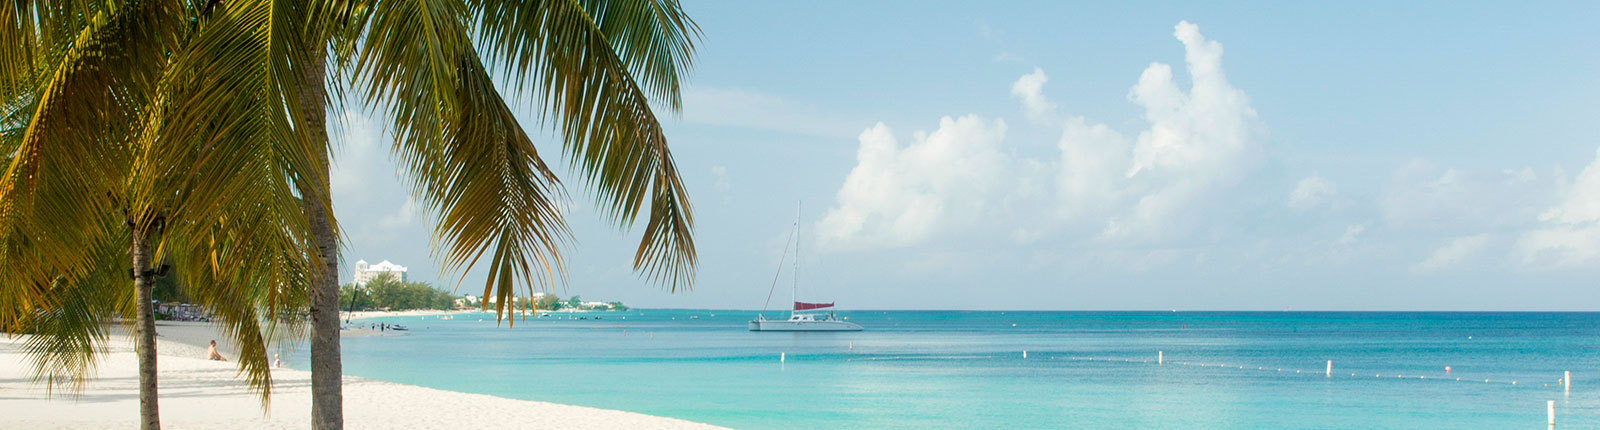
{"x": 472, "y": 164}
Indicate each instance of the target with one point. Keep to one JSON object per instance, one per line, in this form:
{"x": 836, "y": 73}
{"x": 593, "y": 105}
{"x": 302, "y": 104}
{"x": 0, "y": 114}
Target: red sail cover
{"x": 803, "y": 306}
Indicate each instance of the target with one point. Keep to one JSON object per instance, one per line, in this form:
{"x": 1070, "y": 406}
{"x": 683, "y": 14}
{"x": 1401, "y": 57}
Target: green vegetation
{"x": 388, "y": 294}
{"x": 553, "y": 303}
{"x": 139, "y": 136}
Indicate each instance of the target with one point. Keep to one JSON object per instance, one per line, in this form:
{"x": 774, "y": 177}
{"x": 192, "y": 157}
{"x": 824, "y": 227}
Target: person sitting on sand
{"x": 212, "y": 354}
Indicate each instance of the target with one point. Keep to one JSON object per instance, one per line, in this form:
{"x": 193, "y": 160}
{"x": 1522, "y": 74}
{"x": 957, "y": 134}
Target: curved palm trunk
{"x": 327, "y": 371}
{"x": 145, "y": 331}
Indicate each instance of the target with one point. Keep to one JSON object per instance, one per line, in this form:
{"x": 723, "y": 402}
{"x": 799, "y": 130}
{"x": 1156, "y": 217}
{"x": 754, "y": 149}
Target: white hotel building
{"x": 366, "y": 273}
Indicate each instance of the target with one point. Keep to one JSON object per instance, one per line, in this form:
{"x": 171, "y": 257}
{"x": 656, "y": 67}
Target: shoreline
{"x": 360, "y": 315}
{"x": 202, "y": 394}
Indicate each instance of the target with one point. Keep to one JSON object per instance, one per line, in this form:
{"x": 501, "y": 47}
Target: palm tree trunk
{"x": 145, "y": 331}
{"x": 327, "y": 371}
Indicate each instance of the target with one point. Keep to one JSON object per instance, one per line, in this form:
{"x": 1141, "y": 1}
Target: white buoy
{"x": 1550, "y": 410}
{"x": 1330, "y": 369}
{"x": 782, "y": 356}
{"x": 1161, "y": 357}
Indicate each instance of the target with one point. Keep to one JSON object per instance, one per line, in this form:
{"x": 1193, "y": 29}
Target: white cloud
{"x": 1452, "y": 254}
{"x": 1210, "y": 127}
{"x": 1145, "y": 188}
{"x": 1582, "y": 203}
{"x": 1029, "y": 89}
{"x": 1569, "y": 234}
{"x": 898, "y": 195}
{"x": 1197, "y": 143}
{"x": 1311, "y": 192}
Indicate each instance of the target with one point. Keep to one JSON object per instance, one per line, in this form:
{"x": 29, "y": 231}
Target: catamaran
{"x": 804, "y": 321}
{"x": 799, "y": 320}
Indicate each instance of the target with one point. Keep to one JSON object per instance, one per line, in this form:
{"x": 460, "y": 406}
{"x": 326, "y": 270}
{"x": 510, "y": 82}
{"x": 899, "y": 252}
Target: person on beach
{"x": 212, "y": 354}
{"x": 276, "y": 363}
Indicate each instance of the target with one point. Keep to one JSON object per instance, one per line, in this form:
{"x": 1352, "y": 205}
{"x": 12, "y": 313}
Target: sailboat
{"x": 799, "y": 319}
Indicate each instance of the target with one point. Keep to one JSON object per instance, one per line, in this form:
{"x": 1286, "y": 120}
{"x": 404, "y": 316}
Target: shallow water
{"x": 956, "y": 369}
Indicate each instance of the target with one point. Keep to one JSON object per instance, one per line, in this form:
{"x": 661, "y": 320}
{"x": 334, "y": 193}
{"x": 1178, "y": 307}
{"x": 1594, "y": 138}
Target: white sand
{"x": 200, "y": 394}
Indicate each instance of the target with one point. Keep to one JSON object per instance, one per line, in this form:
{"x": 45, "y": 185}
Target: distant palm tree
{"x": 141, "y": 136}
{"x": 593, "y": 66}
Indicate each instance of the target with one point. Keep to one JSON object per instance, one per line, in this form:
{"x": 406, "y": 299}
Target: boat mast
{"x": 795, "y": 288}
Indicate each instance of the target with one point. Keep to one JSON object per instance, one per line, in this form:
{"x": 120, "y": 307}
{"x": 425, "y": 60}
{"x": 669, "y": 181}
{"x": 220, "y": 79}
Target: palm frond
{"x": 68, "y": 340}
{"x": 70, "y": 161}
{"x": 470, "y": 162}
{"x": 584, "y": 58}
{"x": 224, "y": 161}
{"x": 195, "y": 128}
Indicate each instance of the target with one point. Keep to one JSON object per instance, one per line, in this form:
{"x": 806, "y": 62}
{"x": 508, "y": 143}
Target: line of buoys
{"x": 1564, "y": 382}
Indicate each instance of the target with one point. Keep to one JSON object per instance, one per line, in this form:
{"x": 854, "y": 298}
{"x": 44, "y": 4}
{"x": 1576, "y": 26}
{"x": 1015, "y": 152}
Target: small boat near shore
{"x": 799, "y": 319}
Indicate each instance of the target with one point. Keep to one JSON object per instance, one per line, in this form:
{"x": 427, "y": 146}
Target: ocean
{"x": 966, "y": 369}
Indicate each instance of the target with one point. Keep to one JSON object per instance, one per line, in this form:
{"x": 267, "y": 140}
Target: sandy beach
{"x": 201, "y": 394}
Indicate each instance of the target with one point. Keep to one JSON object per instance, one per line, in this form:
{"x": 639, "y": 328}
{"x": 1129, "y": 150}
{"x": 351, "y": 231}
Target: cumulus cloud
{"x": 1569, "y": 233}
{"x": 1197, "y": 141}
{"x": 1311, "y": 192}
{"x": 1029, "y": 89}
{"x": 1209, "y": 127}
{"x": 1452, "y": 254}
{"x": 898, "y": 195}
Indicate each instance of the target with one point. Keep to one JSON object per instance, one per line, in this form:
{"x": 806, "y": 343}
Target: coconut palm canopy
{"x": 156, "y": 131}
{"x": 176, "y": 122}
{"x": 592, "y": 66}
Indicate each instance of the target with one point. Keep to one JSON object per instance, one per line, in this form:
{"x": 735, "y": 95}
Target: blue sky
{"x": 1107, "y": 156}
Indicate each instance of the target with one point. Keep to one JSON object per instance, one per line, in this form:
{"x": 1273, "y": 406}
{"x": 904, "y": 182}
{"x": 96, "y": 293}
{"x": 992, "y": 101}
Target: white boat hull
{"x": 762, "y": 325}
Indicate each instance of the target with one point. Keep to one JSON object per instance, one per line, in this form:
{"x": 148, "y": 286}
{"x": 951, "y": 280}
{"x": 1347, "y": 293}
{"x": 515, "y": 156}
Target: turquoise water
{"x": 957, "y": 369}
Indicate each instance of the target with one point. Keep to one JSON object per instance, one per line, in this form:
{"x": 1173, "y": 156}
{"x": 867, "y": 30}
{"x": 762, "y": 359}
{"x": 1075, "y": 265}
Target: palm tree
{"x": 142, "y": 136}
{"x": 593, "y": 66}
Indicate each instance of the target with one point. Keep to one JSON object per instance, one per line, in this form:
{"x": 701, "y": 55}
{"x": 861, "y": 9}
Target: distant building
{"x": 367, "y": 273}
